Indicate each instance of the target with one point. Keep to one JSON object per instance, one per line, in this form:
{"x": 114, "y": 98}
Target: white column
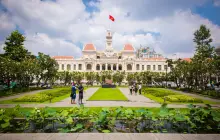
{"x": 65, "y": 67}
{"x": 117, "y": 66}
{"x": 111, "y": 66}
{"x": 106, "y": 66}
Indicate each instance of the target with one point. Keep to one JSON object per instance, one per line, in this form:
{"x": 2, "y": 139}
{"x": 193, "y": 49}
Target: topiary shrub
{"x": 183, "y": 98}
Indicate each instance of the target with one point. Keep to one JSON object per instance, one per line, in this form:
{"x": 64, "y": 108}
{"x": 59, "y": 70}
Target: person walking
{"x": 130, "y": 88}
{"x": 139, "y": 88}
{"x": 81, "y": 88}
{"x": 135, "y": 89}
{"x": 73, "y": 94}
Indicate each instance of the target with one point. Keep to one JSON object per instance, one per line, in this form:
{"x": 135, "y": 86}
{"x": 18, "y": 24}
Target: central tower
{"x": 109, "y": 51}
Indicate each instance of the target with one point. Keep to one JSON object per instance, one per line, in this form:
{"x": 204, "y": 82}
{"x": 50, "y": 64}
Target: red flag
{"x": 111, "y": 18}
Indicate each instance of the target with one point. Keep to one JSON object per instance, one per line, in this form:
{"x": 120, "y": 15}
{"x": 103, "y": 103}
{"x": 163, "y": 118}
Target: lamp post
{"x": 166, "y": 72}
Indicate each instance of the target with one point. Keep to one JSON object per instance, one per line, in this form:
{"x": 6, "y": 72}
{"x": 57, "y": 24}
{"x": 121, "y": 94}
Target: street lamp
{"x": 166, "y": 72}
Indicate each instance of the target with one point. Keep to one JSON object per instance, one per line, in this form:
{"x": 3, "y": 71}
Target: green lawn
{"x": 108, "y": 94}
{"x": 58, "y": 95}
{"x": 158, "y": 95}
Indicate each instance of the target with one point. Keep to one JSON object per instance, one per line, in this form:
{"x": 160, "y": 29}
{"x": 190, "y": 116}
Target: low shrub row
{"x": 44, "y": 95}
{"x": 171, "y": 96}
{"x": 212, "y": 93}
{"x": 183, "y": 98}
{"x": 127, "y": 120}
{"x": 159, "y": 92}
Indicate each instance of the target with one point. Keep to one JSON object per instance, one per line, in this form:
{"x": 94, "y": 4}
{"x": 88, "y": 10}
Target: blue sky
{"x": 209, "y": 11}
{"x": 64, "y": 26}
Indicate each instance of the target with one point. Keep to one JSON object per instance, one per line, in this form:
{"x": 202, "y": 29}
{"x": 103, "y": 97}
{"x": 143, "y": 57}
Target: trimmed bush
{"x": 212, "y": 93}
{"x": 182, "y": 98}
{"x": 159, "y": 92}
{"x": 33, "y": 98}
{"x": 44, "y": 95}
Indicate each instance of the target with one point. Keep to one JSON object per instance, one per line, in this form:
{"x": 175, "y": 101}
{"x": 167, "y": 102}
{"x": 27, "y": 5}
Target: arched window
{"x": 103, "y": 66}
{"x": 74, "y": 67}
{"x": 119, "y": 67}
{"x": 137, "y": 67}
{"x": 129, "y": 67}
{"x": 97, "y": 67}
{"x": 88, "y": 67}
{"x": 62, "y": 66}
{"x": 114, "y": 67}
{"x": 109, "y": 67}
{"x": 68, "y": 67}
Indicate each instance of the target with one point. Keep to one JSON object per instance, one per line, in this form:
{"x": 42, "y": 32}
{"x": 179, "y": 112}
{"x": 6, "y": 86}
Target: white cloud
{"x": 217, "y": 2}
{"x": 52, "y": 46}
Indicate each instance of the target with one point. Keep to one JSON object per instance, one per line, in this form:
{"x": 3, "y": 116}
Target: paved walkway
{"x": 110, "y": 136}
{"x": 134, "y": 101}
{"x": 196, "y": 95}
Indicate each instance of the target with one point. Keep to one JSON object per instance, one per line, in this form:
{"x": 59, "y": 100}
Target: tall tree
{"x": 203, "y": 58}
{"x": 47, "y": 68}
{"x": 14, "y": 47}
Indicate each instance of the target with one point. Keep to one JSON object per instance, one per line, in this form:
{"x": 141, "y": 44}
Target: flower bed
{"x": 161, "y": 95}
{"x": 182, "y": 98}
{"x": 44, "y": 95}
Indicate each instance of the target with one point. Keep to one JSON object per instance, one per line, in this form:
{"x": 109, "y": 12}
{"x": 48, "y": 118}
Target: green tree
{"x": 203, "y": 58}
{"x": 14, "y": 47}
{"x": 47, "y": 68}
{"x": 90, "y": 77}
{"x": 97, "y": 78}
{"x": 118, "y": 77}
{"x": 130, "y": 78}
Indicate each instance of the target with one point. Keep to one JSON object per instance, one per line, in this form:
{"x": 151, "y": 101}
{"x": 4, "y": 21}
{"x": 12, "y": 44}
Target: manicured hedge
{"x": 170, "y": 96}
{"x": 183, "y": 98}
{"x": 158, "y": 92}
{"x": 44, "y": 95}
{"x": 211, "y": 93}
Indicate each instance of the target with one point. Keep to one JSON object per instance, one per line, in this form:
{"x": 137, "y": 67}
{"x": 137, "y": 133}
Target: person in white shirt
{"x": 139, "y": 88}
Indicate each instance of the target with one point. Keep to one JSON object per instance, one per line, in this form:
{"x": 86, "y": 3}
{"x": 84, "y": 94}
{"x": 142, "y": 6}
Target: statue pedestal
{"x": 108, "y": 86}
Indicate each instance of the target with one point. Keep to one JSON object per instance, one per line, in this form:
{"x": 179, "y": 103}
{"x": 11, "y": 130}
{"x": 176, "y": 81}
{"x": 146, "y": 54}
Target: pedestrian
{"x": 139, "y": 88}
{"x": 73, "y": 94}
{"x": 81, "y": 88}
{"x": 135, "y": 89}
{"x": 130, "y": 88}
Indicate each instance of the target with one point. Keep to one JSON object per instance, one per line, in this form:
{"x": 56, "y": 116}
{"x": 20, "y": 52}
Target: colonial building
{"x": 128, "y": 59}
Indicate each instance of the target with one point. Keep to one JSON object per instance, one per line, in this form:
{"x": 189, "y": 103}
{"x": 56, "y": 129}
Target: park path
{"x": 136, "y": 98}
{"x": 88, "y": 93}
{"x": 134, "y": 101}
{"x": 110, "y": 136}
{"x": 21, "y": 94}
{"x": 196, "y": 95}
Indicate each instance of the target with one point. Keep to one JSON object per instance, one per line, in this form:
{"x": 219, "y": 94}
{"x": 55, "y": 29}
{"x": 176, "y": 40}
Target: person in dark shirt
{"x": 81, "y": 88}
{"x": 73, "y": 94}
{"x": 135, "y": 89}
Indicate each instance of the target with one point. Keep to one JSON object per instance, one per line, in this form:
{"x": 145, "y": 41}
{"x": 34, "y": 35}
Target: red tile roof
{"x": 62, "y": 57}
{"x": 128, "y": 47}
{"x": 187, "y": 59}
{"x": 89, "y": 47}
